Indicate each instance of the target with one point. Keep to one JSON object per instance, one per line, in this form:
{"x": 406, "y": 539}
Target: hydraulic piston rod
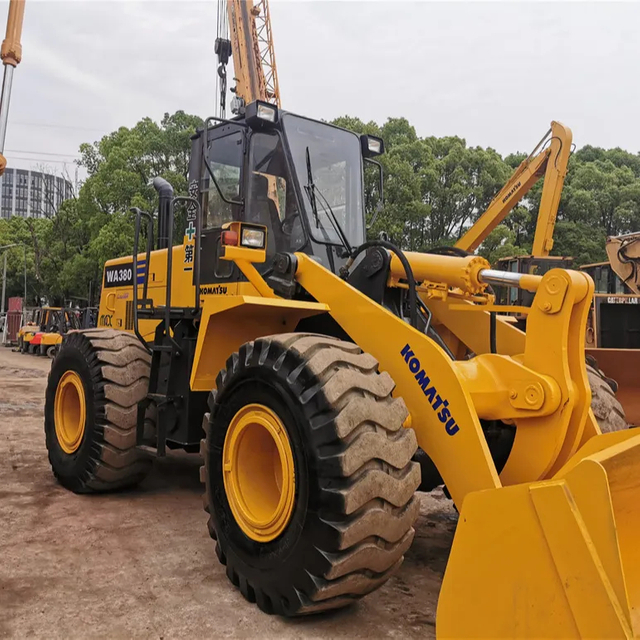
{"x": 470, "y": 274}
{"x": 510, "y": 279}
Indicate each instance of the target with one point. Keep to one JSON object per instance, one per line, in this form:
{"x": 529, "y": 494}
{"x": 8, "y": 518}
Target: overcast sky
{"x": 495, "y": 74}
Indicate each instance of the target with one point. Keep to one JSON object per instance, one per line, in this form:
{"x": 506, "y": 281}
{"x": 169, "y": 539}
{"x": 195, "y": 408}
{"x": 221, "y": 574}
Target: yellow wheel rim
{"x": 258, "y": 472}
{"x": 70, "y": 412}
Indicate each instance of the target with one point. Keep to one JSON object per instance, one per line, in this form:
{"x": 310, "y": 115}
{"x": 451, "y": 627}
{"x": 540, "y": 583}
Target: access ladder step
{"x": 149, "y": 451}
{"x": 160, "y": 347}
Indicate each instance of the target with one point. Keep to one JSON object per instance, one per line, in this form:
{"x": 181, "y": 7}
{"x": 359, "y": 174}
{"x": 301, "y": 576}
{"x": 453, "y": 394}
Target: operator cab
{"x": 300, "y": 178}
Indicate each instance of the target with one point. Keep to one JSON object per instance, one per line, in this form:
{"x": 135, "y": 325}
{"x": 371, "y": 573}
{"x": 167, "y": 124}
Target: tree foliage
{"x": 66, "y": 253}
{"x": 434, "y": 189}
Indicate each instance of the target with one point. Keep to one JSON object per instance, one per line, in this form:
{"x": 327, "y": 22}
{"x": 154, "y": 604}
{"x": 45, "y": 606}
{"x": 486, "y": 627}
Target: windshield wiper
{"x": 312, "y": 190}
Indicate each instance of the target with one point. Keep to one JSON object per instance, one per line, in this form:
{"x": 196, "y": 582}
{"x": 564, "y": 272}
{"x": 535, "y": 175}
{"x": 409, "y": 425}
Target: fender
{"x": 230, "y": 321}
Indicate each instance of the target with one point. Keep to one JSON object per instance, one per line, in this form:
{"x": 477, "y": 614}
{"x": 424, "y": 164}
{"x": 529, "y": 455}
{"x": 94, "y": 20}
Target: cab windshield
{"x": 333, "y": 158}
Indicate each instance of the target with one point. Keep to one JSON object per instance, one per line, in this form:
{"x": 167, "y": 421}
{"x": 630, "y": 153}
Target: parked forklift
{"x": 307, "y": 365}
{"x": 42, "y": 319}
{"x": 30, "y": 327}
{"x": 65, "y": 320}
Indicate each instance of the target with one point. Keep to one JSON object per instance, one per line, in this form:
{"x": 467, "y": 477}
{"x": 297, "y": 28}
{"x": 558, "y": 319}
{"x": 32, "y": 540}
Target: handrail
{"x": 136, "y": 241}
{"x": 167, "y": 308}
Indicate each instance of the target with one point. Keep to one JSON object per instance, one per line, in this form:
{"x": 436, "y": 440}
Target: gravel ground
{"x": 141, "y": 564}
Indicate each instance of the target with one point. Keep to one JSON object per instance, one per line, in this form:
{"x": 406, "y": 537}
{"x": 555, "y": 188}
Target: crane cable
{"x": 222, "y": 33}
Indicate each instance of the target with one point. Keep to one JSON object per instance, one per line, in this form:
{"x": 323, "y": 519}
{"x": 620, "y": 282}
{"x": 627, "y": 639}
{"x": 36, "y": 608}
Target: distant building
{"x": 32, "y": 194}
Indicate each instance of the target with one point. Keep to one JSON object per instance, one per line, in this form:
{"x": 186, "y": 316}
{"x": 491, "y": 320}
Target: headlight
{"x": 261, "y": 114}
{"x": 371, "y": 145}
{"x": 254, "y": 238}
{"x": 375, "y": 146}
{"x": 266, "y": 112}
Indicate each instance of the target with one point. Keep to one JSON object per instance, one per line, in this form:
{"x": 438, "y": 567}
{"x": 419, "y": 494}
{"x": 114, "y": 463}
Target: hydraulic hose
{"x": 411, "y": 281}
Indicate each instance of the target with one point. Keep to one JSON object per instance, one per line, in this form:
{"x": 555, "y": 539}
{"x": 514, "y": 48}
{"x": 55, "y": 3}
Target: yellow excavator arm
{"x": 548, "y": 159}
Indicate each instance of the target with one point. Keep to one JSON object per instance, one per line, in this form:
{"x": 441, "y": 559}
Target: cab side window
{"x": 225, "y": 160}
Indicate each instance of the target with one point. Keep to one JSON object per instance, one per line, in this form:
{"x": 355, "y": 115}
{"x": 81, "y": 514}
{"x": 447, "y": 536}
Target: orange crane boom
{"x": 251, "y": 47}
{"x": 11, "y": 55}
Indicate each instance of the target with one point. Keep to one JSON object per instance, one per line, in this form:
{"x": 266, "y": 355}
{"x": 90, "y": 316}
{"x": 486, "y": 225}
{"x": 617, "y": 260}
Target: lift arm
{"x": 551, "y": 162}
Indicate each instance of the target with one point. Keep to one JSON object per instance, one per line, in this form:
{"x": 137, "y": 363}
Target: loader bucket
{"x": 623, "y": 366}
{"x": 558, "y": 558}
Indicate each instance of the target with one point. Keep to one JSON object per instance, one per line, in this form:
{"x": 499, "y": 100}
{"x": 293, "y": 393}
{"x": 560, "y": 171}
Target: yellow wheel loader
{"x": 324, "y": 379}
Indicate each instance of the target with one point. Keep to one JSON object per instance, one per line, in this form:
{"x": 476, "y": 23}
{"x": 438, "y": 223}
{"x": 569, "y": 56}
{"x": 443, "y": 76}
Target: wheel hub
{"x": 70, "y": 412}
{"x": 258, "y": 472}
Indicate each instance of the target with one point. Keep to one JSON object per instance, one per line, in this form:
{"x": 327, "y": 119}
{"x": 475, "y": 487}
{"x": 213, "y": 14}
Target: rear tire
{"x": 354, "y": 498}
{"x": 111, "y": 369}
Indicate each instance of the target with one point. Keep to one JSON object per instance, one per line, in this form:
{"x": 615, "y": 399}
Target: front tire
{"x": 607, "y": 409}
{"x": 94, "y": 386}
{"x": 349, "y": 505}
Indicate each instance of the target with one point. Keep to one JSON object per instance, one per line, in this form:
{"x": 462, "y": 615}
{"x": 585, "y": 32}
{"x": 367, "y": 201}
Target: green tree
{"x": 501, "y": 243}
{"x": 601, "y": 193}
{"x": 66, "y": 253}
{"x": 434, "y": 189}
{"x": 579, "y": 240}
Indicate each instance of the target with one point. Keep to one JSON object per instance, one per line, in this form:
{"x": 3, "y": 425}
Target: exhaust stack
{"x": 165, "y": 196}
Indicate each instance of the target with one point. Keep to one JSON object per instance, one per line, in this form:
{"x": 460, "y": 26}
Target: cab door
{"x": 222, "y": 202}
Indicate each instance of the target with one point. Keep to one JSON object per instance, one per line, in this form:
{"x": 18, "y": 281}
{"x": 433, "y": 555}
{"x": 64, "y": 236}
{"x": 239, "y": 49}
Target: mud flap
{"x": 558, "y": 558}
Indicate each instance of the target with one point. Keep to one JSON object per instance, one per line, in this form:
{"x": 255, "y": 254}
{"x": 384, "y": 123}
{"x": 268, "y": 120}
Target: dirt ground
{"x": 141, "y": 564}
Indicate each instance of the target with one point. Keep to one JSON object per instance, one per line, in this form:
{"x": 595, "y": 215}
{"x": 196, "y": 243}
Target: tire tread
{"x": 369, "y": 479}
{"x": 119, "y": 369}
